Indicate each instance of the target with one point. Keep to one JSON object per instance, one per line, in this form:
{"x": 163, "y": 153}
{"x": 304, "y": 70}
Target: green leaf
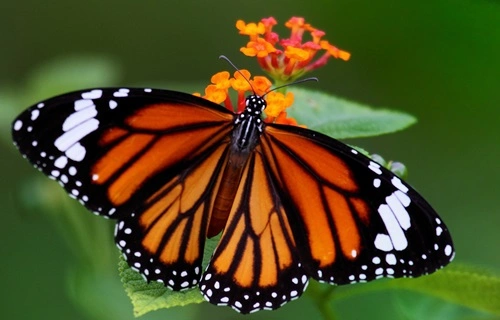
{"x": 464, "y": 285}
{"x": 341, "y": 118}
{"x": 146, "y": 297}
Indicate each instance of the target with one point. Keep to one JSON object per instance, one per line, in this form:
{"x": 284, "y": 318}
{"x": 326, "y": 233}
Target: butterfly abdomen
{"x": 227, "y": 190}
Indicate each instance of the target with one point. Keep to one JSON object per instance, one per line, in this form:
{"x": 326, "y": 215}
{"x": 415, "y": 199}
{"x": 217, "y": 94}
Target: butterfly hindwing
{"x": 352, "y": 219}
{"x": 165, "y": 240}
{"x": 255, "y": 265}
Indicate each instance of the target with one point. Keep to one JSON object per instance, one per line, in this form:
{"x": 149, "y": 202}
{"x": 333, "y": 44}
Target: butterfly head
{"x": 255, "y": 104}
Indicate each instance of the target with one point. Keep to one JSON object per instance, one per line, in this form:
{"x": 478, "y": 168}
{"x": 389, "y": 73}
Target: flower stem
{"x": 321, "y": 298}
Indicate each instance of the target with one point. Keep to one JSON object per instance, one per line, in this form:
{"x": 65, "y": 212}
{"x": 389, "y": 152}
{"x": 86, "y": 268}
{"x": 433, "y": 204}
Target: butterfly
{"x": 289, "y": 203}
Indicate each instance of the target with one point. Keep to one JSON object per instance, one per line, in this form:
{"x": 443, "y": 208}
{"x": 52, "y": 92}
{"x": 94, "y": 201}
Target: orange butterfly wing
{"x": 256, "y": 264}
{"x": 149, "y": 158}
{"x": 353, "y": 220}
{"x": 310, "y": 206}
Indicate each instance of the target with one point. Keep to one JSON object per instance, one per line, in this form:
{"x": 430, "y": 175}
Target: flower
{"x": 287, "y": 59}
{"x": 243, "y": 84}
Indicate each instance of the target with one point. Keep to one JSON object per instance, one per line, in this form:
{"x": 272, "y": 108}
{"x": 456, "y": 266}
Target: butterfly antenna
{"x": 291, "y": 84}
{"x": 237, "y": 70}
{"x": 285, "y": 85}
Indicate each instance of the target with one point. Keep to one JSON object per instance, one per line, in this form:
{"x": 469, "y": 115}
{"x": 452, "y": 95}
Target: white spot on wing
{"x": 448, "y": 250}
{"x": 64, "y": 179}
{"x": 18, "y": 125}
{"x": 34, "y": 114}
{"x": 76, "y": 152}
{"x": 390, "y": 259}
{"x": 403, "y": 198}
{"x": 112, "y": 104}
{"x": 82, "y": 104}
{"x": 396, "y": 234}
{"x": 78, "y": 117}
{"x": 439, "y": 230}
{"x": 61, "y": 162}
{"x": 398, "y": 184}
{"x": 121, "y": 92}
{"x": 77, "y": 133}
{"x": 399, "y": 211}
{"x": 94, "y": 94}
{"x": 375, "y": 167}
{"x": 72, "y": 170}
{"x": 383, "y": 242}
{"x": 376, "y": 182}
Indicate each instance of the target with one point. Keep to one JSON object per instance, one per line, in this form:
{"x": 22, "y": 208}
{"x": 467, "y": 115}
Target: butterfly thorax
{"x": 247, "y": 129}
{"x": 248, "y": 124}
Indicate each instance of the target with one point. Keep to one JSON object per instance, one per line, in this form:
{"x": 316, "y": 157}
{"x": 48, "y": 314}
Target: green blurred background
{"x": 438, "y": 60}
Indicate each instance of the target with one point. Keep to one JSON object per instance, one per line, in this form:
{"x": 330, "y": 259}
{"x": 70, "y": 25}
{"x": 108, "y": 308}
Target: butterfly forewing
{"x": 104, "y": 145}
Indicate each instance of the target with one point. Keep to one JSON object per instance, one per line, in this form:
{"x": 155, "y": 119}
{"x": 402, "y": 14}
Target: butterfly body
{"x": 246, "y": 132}
{"x": 290, "y": 203}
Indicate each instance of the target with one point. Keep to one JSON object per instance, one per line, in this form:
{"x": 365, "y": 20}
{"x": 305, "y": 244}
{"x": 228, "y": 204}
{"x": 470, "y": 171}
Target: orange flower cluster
{"x": 287, "y": 59}
{"x": 241, "y": 82}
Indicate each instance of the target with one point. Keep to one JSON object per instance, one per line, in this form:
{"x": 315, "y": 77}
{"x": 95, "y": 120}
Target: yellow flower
{"x": 296, "y": 53}
{"x": 334, "y": 51}
{"x": 260, "y": 48}
{"x": 215, "y": 94}
{"x": 277, "y": 102}
{"x": 240, "y": 81}
{"x": 261, "y": 85}
{"x": 251, "y": 29}
{"x": 221, "y": 80}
